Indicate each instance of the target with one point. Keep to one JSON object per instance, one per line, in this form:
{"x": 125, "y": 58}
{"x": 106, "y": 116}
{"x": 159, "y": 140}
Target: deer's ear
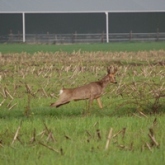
{"x": 111, "y": 70}
{"x": 115, "y": 70}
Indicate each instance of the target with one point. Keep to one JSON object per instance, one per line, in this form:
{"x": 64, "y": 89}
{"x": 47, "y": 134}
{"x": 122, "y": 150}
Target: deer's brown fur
{"x": 91, "y": 91}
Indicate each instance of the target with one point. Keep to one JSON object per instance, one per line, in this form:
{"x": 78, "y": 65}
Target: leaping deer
{"x": 91, "y": 91}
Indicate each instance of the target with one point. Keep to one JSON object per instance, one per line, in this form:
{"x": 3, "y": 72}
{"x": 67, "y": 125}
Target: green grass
{"x": 83, "y": 144}
{"x": 77, "y": 141}
{"x": 30, "y": 48}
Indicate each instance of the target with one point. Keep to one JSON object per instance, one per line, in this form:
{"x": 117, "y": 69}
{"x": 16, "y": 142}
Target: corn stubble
{"x": 140, "y": 77}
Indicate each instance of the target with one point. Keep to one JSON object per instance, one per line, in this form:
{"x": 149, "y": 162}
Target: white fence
{"x": 82, "y": 38}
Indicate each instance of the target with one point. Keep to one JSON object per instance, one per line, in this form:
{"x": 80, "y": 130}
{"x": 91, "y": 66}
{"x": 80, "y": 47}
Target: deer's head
{"x": 111, "y": 74}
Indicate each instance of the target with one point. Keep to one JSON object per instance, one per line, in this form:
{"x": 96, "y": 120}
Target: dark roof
{"x": 80, "y": 6}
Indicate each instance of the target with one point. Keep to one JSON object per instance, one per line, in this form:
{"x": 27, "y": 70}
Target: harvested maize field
{"x": 129, "y": 129}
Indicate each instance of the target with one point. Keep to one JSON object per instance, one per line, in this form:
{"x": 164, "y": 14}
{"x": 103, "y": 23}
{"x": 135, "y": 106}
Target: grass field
{"x": 112, "y": 47}
{"x": 128, "y": 130}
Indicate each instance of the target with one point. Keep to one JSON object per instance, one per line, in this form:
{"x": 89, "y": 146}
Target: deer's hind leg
{"x": 58, "y": 104}
{"x": 61, "y": 101}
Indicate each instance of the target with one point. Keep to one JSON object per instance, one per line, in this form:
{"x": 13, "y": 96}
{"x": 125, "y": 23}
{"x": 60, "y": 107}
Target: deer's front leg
{"x": 99, "y": 102}
{"x": 90, "y": 103}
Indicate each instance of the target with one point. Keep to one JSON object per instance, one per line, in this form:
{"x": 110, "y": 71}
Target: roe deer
{"x": 90, "y": 91}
